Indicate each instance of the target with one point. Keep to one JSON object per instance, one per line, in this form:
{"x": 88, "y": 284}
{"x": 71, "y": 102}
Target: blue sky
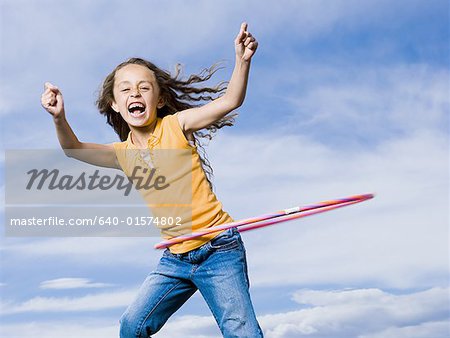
{"x": 344, "y": 97}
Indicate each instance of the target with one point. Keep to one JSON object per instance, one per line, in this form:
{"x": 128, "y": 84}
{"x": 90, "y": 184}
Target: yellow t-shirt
{"x": 200, "y": 208}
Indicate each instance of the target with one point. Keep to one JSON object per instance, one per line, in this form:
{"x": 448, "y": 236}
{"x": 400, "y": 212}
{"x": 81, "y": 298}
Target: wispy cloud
{"x": 354, "y": 105}
{"x": 375, "y": 104}
{"x": 348, "y": 314}
{"x": 357, "y": 313}
{"x": 56, "y": 329}
{"x": 362, "y": 313}
{"x": 91, "y": 302}
{"x": 439, "y": 329}
{"x": 190, "y": 327}
{"x": 71, "y": 283}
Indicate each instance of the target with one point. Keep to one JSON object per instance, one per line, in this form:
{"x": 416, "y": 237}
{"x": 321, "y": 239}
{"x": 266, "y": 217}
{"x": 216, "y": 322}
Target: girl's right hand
{"x": 52, "y": 100}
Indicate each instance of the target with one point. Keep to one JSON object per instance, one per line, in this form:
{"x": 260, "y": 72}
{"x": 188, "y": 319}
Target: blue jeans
{"x": 218, "y": 269}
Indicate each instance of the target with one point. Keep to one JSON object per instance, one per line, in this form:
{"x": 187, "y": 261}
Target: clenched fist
{"x": 52, "y": 100}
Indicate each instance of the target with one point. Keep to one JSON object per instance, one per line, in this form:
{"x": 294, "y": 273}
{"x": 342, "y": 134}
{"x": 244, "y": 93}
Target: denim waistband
{"x": 201, "y": 253}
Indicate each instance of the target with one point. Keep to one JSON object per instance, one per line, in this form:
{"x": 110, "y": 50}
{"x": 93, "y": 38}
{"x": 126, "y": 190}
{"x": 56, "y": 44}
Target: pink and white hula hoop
{"x": 272, "y": 218}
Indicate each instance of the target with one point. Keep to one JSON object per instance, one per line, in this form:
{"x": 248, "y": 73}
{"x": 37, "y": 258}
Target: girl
{"x": 149, "y": 109}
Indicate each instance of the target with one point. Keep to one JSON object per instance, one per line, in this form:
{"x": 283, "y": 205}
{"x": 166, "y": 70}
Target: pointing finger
{"x": 244, "y": 26}
{"x": 242, "y": 34}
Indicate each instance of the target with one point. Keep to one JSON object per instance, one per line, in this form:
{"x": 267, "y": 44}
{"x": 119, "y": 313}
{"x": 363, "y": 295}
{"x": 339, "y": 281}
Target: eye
{"x": 144, "y": 88}
{"x": 125, "y": 89}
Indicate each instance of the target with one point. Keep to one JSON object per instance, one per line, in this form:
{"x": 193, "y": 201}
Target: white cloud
{"x": 372, "y": 103}
{"x": 186, "y": 327}
{"x": 91, "y": 302}
{"x": 60, "y": 329}
{"x": 362, "y": 313}
{"x": 426, "y": 330}
{"x": 190, "y": 327}
{"x": 356, "y": 313}
{"x": 71, "y": 283}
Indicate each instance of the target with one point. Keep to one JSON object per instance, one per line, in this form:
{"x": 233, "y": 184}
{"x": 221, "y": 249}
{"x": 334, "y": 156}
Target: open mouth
{"x": 136, "y": 109}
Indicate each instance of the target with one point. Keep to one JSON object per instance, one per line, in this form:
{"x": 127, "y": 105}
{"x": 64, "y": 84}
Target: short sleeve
{"x": 120, "y": 149}
{"x": 172, "y": 129}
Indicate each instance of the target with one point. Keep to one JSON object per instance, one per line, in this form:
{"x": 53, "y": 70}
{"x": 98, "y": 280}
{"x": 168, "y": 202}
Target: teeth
{"x": 136, "y": 108}
{"x": 136, "y": 105}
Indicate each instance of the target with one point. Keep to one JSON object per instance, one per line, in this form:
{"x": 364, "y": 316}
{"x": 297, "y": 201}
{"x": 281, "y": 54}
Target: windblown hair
{"x": 178, "y": 94}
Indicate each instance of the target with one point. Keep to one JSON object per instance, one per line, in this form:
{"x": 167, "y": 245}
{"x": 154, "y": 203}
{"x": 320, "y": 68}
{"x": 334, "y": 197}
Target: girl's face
{"x": 136, "y": 95}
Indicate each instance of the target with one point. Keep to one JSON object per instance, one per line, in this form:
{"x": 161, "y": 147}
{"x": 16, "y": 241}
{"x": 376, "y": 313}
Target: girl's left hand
{"x": 245, "y": 44}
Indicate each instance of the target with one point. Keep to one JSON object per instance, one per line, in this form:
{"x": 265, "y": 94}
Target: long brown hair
{"x": 177, "y": 94}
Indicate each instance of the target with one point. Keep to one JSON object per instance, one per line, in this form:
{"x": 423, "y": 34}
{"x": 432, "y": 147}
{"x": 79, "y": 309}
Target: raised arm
{"x": 198, "y": 118}
{"x": 98, "y": 154}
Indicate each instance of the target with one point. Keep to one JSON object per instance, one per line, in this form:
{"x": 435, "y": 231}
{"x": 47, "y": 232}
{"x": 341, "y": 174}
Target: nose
{"x": 135, "y": 92}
